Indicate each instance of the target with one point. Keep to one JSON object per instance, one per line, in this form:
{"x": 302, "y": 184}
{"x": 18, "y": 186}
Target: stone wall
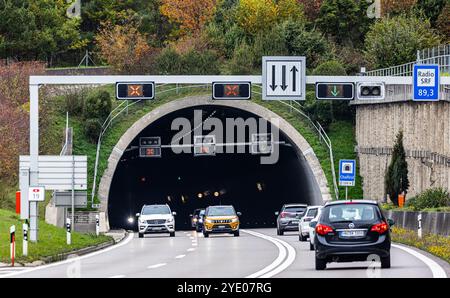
{"x": 426, "y": 128}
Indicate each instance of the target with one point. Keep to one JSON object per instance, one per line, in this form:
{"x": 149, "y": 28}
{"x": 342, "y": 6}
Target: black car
{"x": 349, "y": 231}
{"x": 197, "y": 219}
{"x": 288, "y": 218}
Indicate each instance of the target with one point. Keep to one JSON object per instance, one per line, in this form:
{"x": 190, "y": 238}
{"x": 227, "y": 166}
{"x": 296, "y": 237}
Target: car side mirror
{"x": 174, "y": 213}
{"x": 277, "y": 213}
{"x": 390, "y": 222}
{"x": 138, "y": 214}
{"x": 239, "y": 213}
{"x": 313, "y": 224}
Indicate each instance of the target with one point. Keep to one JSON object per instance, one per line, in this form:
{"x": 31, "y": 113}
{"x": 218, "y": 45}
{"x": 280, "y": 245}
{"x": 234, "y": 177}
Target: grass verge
{"x": 52, "y": 240}
{"x": 437, "y": 245}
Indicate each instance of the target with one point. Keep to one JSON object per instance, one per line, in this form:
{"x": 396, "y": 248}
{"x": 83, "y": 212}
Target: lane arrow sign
{"x": 335, "y": 92}
{"x": 273, "y": 86}
{"x": 294, "y": 71}
{"x": 283, "y": 78}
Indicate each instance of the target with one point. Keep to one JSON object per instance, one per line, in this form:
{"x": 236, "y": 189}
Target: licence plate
{"x": 357, "y": 233}
{"x": 157, "y": 229}
{"x": 294, "y": 221}
{"x": 221, "y": 227}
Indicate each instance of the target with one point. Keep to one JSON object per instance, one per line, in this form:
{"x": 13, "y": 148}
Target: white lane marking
{"x": 156, "y": 266}
{"x": 191, "y": 249}
{"x": 194, "y": 244}
{"x": 191, "y": 237}
{"x": 117, "y": 276}
{"x": 180, "y": 256}
{"x": 286, "y": 256}
{"x": 68, "y": 261}
{"x": 436, "y": 269}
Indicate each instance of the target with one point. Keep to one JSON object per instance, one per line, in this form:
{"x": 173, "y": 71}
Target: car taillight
{"x": 380, "y": 227}
{"x": 323, "y": 229}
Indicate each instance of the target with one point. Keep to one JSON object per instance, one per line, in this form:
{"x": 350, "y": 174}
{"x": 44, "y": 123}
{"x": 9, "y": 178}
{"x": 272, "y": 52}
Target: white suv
{"x": 156, "y": 219}
{"x": 303, "y": 224}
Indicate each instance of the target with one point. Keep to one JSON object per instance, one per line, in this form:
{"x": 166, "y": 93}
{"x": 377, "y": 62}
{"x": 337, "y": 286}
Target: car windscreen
{"x": 221, "y": 211}
{"x": 312, "y": 212}
{"x": 350, "y": 212}
{"x": 294, "y": 209}
{"x": 202, "y": 212}
{"x": 156, "y": 209}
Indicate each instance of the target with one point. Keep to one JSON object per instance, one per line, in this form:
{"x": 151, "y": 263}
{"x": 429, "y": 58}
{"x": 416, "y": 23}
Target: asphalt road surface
{"x": 256, "y": 253}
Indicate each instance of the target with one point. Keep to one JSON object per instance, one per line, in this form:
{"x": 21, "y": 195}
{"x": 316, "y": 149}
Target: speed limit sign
{"x": 36, "y": 194}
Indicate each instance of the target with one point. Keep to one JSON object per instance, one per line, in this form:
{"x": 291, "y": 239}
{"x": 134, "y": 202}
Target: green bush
{"x": 74, "y": 101}
{"x": 92, "y": 129}
{"x": 431, "y": 198}
{"x": 97, "y": 105}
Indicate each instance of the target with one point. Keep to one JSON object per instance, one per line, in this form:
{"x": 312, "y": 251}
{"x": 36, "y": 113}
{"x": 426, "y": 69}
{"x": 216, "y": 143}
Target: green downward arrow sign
{"x": 335, "y": 92}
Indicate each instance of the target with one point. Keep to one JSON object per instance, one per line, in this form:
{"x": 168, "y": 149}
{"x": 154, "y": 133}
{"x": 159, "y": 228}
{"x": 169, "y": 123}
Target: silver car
{"x": 288, "y": 217}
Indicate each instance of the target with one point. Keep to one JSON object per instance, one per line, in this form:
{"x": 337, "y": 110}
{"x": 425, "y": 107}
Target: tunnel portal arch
{"x": 302, "y": 147}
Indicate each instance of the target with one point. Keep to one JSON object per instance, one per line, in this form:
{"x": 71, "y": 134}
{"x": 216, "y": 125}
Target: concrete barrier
{"x": 432, "y": 222}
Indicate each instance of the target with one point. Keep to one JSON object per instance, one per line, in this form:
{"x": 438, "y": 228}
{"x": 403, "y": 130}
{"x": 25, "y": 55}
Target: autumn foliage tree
{"x": 14, "y": 112}
{"x": 190, "y": 15}
{"x": 125, "y": 48}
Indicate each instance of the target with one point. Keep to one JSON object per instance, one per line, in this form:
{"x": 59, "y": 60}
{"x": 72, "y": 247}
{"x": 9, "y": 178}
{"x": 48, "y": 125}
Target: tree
{"x": 394, "y": 41}
{"x": 311, "y": 8}
{"x": 395, "y": 7}
{"x": 345, "y": 21}
{"x": 443, "y": 22}
{"x": 190, "y": 15}
{"x": 36, "y": 29}
{"x": 125, "y": 48}
{"x": 396, "y": 179}
{"x": 431, "y": 8}
{"x": 301, "y": 41}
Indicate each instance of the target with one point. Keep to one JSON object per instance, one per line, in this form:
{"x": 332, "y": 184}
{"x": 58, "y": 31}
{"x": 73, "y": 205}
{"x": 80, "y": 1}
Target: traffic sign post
{"x": 97, "y": 224}
{"x": 426, "y": 82}
{"x": 68, "y": 231}
{"x": 262, "y": 143}
{"x": 150, "y": 147}
{"x": 12, "y": 245}
{"x": 347, "y": 174}
{"x": 335, "y": 91}
{"x": 25, "y": 240}
{"x": 284, "y": 78}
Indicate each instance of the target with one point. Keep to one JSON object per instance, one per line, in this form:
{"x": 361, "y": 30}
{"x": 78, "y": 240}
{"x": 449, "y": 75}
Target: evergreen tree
{"x": 396, "y": 179}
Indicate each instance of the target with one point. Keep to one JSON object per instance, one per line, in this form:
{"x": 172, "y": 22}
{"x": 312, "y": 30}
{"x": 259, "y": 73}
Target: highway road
{"x": 256, "y": 253}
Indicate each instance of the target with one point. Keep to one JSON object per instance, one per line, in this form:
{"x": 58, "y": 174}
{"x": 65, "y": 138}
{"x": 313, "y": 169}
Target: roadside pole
{"x": 97, "y": 224}
{"x": 73, "y": 191}
{"x": 68, "y": 234}
{"x": 12, "y": 233}
{"x": 419, "y": 228}
{"x": 34, "y": 153}
{"x": 25, "y": 240}
{"x": 346, "y": 192}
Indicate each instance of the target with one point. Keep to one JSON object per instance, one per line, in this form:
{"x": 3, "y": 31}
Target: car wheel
{"x": 311, "y": 246}
{"x": 386, "y": 262}
{"x": 280, "y": 232}
{"x": 172, "y": 234}
{"x": 236, "y": 234}
{"x": 321, "y": 264}
{"x": 206, "y": 235}
{"x": 302, "y": 238}
{"x": 198, "y": 229}
{"x": 141, "y": 235}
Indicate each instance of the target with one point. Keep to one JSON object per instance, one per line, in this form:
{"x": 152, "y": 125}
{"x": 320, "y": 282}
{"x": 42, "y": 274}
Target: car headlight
{"x": 235, "y": 219}
{"x": 208, "y": 220}
{"x": 142, "y": 221}
{"x": 169, "y": 220}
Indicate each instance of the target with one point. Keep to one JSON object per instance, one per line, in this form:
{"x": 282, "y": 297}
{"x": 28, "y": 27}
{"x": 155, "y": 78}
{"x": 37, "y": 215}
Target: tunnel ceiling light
{"x": 200, "y": 195}
{"x": 216, "y": 193}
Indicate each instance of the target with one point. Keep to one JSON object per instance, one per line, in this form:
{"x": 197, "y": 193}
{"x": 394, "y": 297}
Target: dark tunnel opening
{"x": 256, "y": 190}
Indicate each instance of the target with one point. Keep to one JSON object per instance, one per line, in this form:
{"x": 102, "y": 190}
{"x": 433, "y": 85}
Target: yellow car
{"x": 221, "y": 219}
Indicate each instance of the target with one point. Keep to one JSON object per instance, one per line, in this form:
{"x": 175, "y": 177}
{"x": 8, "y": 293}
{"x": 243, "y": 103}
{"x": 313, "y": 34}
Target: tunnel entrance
{"x": 187, "y": 182}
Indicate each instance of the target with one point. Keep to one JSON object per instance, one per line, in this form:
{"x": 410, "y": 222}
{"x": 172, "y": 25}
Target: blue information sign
{"x": 426, "y": 82}
{"x": 347, "y": 172}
